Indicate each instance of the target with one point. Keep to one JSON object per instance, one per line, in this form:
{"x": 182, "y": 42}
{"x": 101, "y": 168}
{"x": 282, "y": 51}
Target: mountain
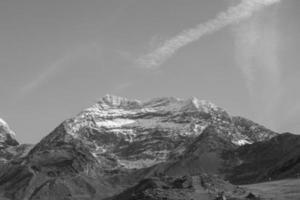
{"x": 118, "y": 142}
{"x": 131, "y": 134}
{"x": 274, "y": 159}
{"x": 140, "y": 134}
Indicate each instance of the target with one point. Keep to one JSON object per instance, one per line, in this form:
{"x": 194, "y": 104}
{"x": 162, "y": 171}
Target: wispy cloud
{"x": 257, "y": 43}
{"x": 234, "y": 14}
{"x": 58, "y": 66}
{"x": 44, "y": 75}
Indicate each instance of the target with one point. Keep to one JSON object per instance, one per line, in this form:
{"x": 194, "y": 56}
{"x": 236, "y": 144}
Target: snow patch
{"x": 5, "y": 125}
{"x": 2, "y": 122}
{"x": 241, "y": 142}
{"x": 116, "y": 123}
{"x": 138, "y": 164}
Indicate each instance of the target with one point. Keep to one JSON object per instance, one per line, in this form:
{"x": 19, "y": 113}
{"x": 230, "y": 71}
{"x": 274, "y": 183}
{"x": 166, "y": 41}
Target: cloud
{"x": 44, "y": 75}
{"x": 234, "y": 14}
{"x": 59, "y": 65}
{"x": 257, "y": 41}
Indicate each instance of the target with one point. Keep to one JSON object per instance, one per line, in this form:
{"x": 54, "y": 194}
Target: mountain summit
{"x": 136, "y": 134}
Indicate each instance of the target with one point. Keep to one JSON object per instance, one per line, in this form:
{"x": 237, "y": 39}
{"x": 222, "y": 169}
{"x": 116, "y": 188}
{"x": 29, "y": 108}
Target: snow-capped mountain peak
{"x": 139, "y": 134}
{"x": 7, "y": 135}
{"x": 5, "y": 129}
{"x": 2, "y": 122}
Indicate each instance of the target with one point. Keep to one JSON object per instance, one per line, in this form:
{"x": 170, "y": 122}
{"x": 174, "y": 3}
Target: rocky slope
{"x": 8, "y": 143}
{"x": 7, "y": 136}
{"x": 202, "y": 186}
{"x": 274, "y": 159}
{"x": 117, "y": 142}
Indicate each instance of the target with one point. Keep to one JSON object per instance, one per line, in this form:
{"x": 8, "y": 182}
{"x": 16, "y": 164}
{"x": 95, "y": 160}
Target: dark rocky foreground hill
{"x": 118, "y": 144}
{"x": 202, "y": 187}
{"x": 274, "y": 159}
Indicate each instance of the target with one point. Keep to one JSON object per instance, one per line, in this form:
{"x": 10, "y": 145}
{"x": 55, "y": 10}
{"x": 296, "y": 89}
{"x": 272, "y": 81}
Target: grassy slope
{"x": 288, "y": 189}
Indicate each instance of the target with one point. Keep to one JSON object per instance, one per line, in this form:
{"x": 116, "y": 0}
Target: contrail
{"x": 45, "y": 74}
{"x": 59, "y": 65}
{"x": 234, "y": 14}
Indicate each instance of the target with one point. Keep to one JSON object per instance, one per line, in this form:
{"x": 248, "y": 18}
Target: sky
{"x": 58, "y": 57}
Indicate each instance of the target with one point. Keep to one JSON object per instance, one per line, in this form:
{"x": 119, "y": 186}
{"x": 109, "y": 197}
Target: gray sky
{"x": 58, "y": 57}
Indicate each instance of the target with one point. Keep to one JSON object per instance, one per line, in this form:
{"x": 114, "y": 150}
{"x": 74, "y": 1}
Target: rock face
{"x": 7, "y": 136}
{"x": 117, "y": 142}
{"x": 8, "y": 143}
{"x": 253, "y": 130}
